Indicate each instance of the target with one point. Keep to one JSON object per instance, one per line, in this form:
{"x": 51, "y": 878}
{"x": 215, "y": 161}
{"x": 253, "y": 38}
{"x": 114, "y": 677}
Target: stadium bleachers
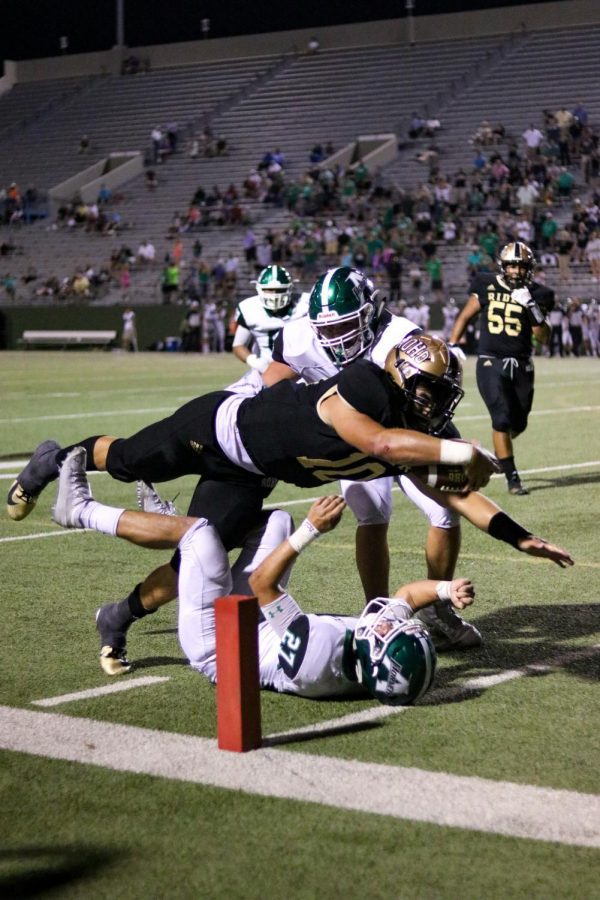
{"x": 289, "y": 101}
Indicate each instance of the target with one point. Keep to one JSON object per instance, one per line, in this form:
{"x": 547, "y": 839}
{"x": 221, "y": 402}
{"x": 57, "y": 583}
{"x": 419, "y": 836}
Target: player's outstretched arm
{"x": 404, "y": 447}
{"x": 535, "y": 546}
{"x": 460, "y": 592}
{"x": 323, "y": 516}
{"x": 489, "y": 517}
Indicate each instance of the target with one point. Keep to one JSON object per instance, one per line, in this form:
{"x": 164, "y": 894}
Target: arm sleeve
{"x": 242, "y": 337}
{"x": 281, "y": 613}
{"x": 544, "y": 297}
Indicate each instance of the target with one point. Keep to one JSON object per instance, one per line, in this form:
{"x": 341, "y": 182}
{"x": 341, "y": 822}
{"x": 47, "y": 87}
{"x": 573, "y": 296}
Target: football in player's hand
{"x": 451, "y": 479}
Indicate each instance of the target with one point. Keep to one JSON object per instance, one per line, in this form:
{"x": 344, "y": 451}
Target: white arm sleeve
{"x": 281, "y": 613}
{"x": 242, "y": 337}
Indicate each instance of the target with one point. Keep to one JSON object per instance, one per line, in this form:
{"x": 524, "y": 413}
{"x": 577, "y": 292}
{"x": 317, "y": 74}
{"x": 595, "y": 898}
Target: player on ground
{"x": 383, "y": 653}
{"x": 513, "y": 309}
{"x": 383, "y": 650}
{"x": 261, "y": 317}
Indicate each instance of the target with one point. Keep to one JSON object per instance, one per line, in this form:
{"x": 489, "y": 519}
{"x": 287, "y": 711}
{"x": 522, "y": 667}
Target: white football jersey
{"x": 257, "y": 328}
{"x": 299, "y": 348}
{"x": 320, "y": 644}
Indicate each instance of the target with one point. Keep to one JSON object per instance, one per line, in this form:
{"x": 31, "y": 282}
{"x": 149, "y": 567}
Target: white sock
{"x": 99, "y": 517}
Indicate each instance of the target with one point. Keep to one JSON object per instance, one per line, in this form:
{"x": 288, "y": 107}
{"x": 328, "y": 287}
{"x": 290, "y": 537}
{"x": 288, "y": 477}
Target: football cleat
{"x": 74, "y": 492}
{"x": 447, "y": 629}
{"x": 149, "y": 501}
{"x": 39, "y": 471}
{"x": 515, "y": 486}
{"x": 114, "y": 662}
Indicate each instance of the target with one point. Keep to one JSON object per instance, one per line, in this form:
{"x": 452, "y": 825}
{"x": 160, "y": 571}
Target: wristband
{"x": 536, "y": 314}
{"x": 303, "y": 536}
{"x": 456, "y": 453}
{"x": 443, "y": 590}
{"x": 503, "y": 528}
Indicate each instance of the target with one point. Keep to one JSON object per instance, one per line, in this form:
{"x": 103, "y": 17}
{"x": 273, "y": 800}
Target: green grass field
{"x": 76, "y": 827}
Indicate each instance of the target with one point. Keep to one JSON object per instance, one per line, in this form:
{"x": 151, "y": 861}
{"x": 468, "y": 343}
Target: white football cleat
{"x": 74, "y": 491}
{"x": 149, "y": 500}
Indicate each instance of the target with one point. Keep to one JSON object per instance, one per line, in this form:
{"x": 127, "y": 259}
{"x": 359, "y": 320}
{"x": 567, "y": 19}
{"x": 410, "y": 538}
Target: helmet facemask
{"x": 275, "y": 299}
{"x": 343, "y": 313}
{"x": 345, "y": 337}
{"x": 274, "y": 287}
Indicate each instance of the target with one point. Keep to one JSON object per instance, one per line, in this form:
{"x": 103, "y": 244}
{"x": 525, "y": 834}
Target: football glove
{"x": 256, "y": 362}
{"x": 523, "y": 297}
{"x": 458, "y": 352}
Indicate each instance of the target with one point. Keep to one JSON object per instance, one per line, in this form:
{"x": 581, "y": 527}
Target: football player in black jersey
{"x": 513, "y": 310}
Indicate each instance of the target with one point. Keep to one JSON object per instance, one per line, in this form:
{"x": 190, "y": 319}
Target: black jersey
{"x": 506, "y": 326}
{"x": 285, "y": 438}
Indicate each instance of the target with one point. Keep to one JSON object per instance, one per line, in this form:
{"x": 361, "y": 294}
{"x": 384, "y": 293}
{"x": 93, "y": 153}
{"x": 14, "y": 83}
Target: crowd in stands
{"x": 20, "y": 207}
{"x": 515, "y": 187}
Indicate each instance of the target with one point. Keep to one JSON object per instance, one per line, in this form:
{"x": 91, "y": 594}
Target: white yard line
{"x": 97, "y": 414}
{"x": 19, "y": 464}
{"x": 123, "y": 685}
{"x": 44, "y": 534}
{"x": 535, "y": 412}
{"x": 541, "y": 668}
{"x": 478, "y": 804}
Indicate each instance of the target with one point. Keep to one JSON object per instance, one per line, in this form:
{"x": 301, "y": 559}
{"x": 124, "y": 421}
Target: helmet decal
{"x": 429, "y": 378}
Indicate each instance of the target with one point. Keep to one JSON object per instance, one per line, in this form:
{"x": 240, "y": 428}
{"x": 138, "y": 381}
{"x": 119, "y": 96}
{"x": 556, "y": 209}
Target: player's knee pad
{"x": 370, "y": 501}
{"x": 439, "y": 516}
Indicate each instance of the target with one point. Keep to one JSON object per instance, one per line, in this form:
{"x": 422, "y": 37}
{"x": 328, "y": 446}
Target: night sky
{"x": 32, "y": 28}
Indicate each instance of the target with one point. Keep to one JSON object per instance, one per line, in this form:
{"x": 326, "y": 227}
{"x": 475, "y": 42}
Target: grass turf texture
{"x": 100, "y": 831}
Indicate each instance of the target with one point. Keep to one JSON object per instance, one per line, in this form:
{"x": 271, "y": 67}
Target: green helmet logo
{"x": 395, "y": 657}
{"x": 274, "y": 287}
{"x": 342, "y": 313}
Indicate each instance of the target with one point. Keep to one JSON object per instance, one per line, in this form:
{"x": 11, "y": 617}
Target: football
{"x": 449, "y": 478}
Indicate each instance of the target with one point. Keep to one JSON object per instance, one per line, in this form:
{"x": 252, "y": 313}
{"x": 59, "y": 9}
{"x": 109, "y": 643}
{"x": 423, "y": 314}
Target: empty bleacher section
{"x": 287, "y": 100}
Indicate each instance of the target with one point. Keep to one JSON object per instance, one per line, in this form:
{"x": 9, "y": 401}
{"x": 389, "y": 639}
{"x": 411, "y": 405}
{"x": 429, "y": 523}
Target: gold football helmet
{"x": 430, "y": 379}
{"x": 516, "y": 256}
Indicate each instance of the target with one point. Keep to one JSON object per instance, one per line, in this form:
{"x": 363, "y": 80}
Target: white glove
{"x": 257, "y": 362}
{"x": 458, "y": 352}
{"x": 522, "y": 296}
{"x": 524, "y": 299}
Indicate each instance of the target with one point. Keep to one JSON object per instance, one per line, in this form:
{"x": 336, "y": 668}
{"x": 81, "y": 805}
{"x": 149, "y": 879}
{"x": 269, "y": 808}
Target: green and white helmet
{"x": 395, "y": 657}
{"x": 274, "y": 287}
{"x": 343, "y": 313}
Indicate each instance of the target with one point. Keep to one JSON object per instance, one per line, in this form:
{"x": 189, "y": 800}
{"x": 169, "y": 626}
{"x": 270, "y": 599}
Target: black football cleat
{"x": 39, "y": 471}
